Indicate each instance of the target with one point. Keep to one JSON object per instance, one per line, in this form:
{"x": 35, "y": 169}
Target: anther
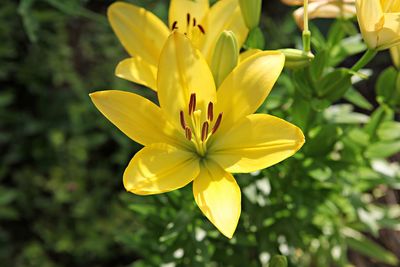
{"x": 204, "y": 131}
{"x": 188, "y": 133}
{"x": 173, "y": 27}
{"x": 194, "y": 22}
{"x": 210, "y": 111}
{"x": 217, "y": 123}
{"x": 201, "y": 29}
{"x": 187, "y": 19}
{"x": 192, "y": 103}
{"x": 182, "y": 119}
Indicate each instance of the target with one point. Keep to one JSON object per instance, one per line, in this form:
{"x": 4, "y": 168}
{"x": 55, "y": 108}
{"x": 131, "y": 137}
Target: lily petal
{"x": 256, "y": 142}
{"x": 246, "y": 54}
{"x": 247, "y": 86}
{"x": 138, "y": 71}
{"x": 140, "y": 31}
{"x": 160, "y": 168}
{"x": 389, "y": 35}
{"x": 218, "y": 197}
{"x": 223, "y": 15}
{"x": 370, "y": 19}
{"x": 183, "y": 71}
{"x": 137, "y": 117}
{"x": 390, "y": 6}
{"x": 178, "y": 10}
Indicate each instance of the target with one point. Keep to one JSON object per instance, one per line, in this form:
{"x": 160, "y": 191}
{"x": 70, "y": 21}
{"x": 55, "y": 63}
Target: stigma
{"x": 197, "y": 128}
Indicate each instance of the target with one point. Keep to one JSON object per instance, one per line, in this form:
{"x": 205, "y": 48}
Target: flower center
{"x": 198, "y": 131}
{"x": 191, "y": 26}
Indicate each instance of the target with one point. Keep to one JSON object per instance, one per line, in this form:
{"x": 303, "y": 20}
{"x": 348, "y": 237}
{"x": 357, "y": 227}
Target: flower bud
{"x": 225, "y": 57}
{"x": 395, "y": 53}
{"x": 295, "y": 58}
{"x": 251, "y": 11}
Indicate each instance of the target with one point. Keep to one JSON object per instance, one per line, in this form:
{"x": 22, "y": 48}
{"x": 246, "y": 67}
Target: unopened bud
{"x": 278, "y": 261}
{"x": 395, "y": 53}
{"x": 251, "y": 12}
{"x": 295, "y": 58}
{"x": 225, "y": 57}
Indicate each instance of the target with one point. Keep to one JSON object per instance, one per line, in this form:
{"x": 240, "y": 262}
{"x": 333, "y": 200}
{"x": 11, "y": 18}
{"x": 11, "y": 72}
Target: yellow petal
{"x": 370, "y": 19}
{"x": 247, "y": 86}
{"x": 181, "y": 72}
{"x": 178, "y": 10}
{"x": 245, "y": 55}
{"x": 160, "y": 168}
{"x": 137, "y": 117}
{"x": 390, "y": 5}
{"x": 256, "y": 142}
{"x": 218, "y": 196}
{"x": 138, "y": 71}
{"x": 223, "y": 15}
{"x": 389, "y": 35}
{"x": 140, "y": 31}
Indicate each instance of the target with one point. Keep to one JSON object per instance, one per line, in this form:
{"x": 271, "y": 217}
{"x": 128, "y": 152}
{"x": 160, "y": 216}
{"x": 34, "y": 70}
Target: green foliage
{"x": 62, "y": 202}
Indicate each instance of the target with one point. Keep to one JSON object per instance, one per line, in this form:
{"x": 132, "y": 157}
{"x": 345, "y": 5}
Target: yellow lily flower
{"x": 143, "y": 34}
{"x": 323, "y": 9}
{"x": 379, "y": 21}
{"x": 199, "y": 134}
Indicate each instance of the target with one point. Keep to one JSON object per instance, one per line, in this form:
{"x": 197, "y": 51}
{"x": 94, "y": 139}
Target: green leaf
{"x": 318, "y": 65}
{"x": 255, "y": 39}
{"x": 388, "y": 87}
{"x": 336, "y": 32}
{"x": 335, "y": 84}
{"x": 358, "y": 242}
{"x": 389, "y": 130}
{"x": 380, "y": 115}
{"x": 322, "y": 140}
{"x": 354, "y": 97}
{"x": 383, "y": 149}
{"x": 303, "y": 83}
{"x": 278, "y": 261}
{"x": 31, "y": 25}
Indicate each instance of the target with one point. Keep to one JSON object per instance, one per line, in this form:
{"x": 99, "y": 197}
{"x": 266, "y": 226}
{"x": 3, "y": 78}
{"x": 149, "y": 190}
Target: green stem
{"x": 306, "y": 32}
{"x": 364, "y": 60}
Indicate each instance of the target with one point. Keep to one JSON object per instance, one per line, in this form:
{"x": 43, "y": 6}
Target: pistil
{"x": 198, "y": 131}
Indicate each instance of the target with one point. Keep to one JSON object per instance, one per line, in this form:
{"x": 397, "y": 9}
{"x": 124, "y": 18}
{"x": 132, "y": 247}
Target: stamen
{"x": 187, "y": 19}
{"x": 194, "y": 22}
{"x": 210, "y": 111}
{"x": 201, "y": 29}
{"x": 204, "y": 131}
{"x": 217, "y": 123}
{"x": 182, "y": 119}
{"x": 188, "y": 133}
{"x": 173, "y": 27}
{"x": 192, "y": 103}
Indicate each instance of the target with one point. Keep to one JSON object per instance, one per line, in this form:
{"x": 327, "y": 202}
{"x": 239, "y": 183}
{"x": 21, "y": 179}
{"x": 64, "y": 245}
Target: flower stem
{"x": 306, "y": 32}
{"x": 364, "y": 60}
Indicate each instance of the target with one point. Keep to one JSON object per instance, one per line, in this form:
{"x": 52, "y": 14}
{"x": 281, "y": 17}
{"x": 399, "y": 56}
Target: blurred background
{"x": 62, "y": 202}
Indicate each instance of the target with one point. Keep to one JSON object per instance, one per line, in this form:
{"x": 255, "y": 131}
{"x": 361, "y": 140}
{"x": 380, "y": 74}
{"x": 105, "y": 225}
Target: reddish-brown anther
{"x": 217, "y": 123}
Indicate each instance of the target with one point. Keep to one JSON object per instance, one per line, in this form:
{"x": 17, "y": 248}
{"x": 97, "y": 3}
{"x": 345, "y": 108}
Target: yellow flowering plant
{"x": 379, "y": 22}
{"x": 143, "y": 34}
{"x": 204, "y": 130}
{"x": 199, "y": 134}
